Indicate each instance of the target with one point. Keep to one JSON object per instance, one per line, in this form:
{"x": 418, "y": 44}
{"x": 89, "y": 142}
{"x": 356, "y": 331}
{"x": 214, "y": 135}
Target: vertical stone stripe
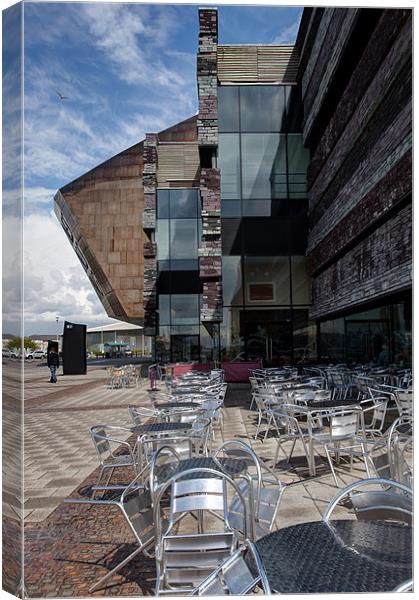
{"x": 149, "y": 225}
{"x": 207, "y": 124}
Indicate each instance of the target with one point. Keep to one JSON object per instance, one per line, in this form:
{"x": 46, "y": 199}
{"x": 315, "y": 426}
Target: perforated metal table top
{"x": 347, "y": 556}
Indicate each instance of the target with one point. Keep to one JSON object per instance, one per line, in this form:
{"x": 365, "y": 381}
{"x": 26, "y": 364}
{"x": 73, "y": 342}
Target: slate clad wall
{"x": 356, "y": 82}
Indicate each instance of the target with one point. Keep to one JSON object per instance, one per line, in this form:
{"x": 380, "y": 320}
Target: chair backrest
{"x": 344, "y": 423}
{"x": 137, "y": 506}
{"x": 198, "y": 489}
{"x": 234, "y": 577}
{"x": 404, "y": 401}
{"x": 391, "y": 501}
{"x": 182, "y": 445}
{"x": 100, "y": 441}
{"x": 135, "y": 414}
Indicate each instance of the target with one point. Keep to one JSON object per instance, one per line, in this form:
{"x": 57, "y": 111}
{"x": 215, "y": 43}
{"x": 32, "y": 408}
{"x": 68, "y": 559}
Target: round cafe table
{"x": 161, "y": 428}
{"x": 342, "y": 556}
{"x": 232, "y": 466}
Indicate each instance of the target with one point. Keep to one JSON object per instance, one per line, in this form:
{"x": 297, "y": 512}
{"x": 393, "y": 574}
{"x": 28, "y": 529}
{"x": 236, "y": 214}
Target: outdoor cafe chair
{"x": 338, "y": 431}
{"x": 234, "y": 577}
{"x": 188, "y": 553}
{"x": 261, "y": 489}
{"x": 135, "y": 504}
{"x": 288, "y": 429}
{"x": 374, "y": 411}
{"x": 106, "y": 444}
{"x": 404, "y": 402}
{"x": 387, "y": 501}
{"x": 164, "y": 446}
{"x": 141, "y": 414}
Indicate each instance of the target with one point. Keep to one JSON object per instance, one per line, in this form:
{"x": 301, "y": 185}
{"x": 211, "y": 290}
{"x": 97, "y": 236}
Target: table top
{"x": 232, "y": 466}
{"x": 158, "y": 427}
{"x": 319, "y": 404}
{"x": 169, "y": 405}
{"x": 344, "y": 556}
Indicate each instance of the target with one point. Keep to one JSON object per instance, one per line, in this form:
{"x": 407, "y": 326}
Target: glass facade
{"x": 266, "y": 288}
{"x": 382, "y": 336}
{"x": 181, "y": 337}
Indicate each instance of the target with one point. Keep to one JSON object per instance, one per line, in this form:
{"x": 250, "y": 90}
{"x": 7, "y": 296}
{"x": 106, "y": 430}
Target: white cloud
{"x": 288, "y": 35}
{"x": 54, "y": 280}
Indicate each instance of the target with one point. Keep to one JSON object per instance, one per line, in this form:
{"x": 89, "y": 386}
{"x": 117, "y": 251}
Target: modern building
{"x": 276, "y": 223}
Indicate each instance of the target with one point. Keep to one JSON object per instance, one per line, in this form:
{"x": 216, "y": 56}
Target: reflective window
{"x": 183, "y": 239}
{"x": 228, "y": 108}
{"x": 267, "y": 280}
{"x": 259, "y": 152}
{"x": 301, "y": 281}
{"x": 162, "y": 239}
{"x": 164, "y": 309}
{"x": 232, "y": 280}
{"x": 232, "y": 342}
{"x": 184, "y": 204}
{"x": 304, "y": 337}
{"x": 184, "y": 309}
{"x": 261, "y": 108}
{"x": 229, "y": 165}
{"x": 298, "y": 159}
{"x": 163, "y": 204}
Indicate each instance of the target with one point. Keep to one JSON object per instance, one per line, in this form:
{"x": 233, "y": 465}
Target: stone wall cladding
{"x": 207, "y": 122}
{"x": 149, "y": 225}
{"x": 381, "y": 264}
{"x": 210, "y": 184}
{"x": 359, "y": 243}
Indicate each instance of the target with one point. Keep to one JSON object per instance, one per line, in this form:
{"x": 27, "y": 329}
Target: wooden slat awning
{"x": 257, "y": 64}
{"x": 177, "y": 162}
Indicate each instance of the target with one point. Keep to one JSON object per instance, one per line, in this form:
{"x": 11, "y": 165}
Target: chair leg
{"x": 119, "y": 566}
{"x": 331, "y": 466}
{"x": 312, "y": 462}
{"x": 292, "y": 450}
{"x": 268, "y": 427}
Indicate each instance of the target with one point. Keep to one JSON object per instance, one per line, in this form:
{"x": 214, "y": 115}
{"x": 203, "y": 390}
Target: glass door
{"x": 270, "y": 342}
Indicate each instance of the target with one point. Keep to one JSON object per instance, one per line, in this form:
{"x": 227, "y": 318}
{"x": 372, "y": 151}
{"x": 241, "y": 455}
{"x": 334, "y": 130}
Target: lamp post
{"x": 56, "y": 320}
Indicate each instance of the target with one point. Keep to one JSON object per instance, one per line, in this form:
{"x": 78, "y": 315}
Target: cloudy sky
{"x": 126, "y": 69}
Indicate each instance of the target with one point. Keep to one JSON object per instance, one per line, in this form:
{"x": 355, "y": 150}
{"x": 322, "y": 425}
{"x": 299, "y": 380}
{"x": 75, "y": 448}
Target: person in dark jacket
{"x": 53, "y": 362}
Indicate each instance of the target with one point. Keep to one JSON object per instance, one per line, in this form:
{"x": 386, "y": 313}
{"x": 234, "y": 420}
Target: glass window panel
{"x": 163, "y": 204}
{"x": 267, "y": 280}
{"x": 232, "y": 280}
{"x": 301, "y": 283}
{"x": 208, "y": 352}
{"x": 305, "y": 337}
{"x": 232, "y": 335}
{"x": 231, "y": 208}
{"x": 164, "y": 309}
{"x": 261, "y": 108}
{"x": 332, "y": 340}
{"x": 262, "y": 164}
{"x": 402, "y": 334}
{"x": 183, "y": 239}
{"x": 184, "y": 265}
{"x": 163, "y": 345}
{"x": 257, "y": 208}
{"x": 184, "y": 309}
{"x": 229, "y": 165}
{"x": 162, "y": 239}
{"x": 228, "y": 108}
{"x": 298, "y": 159}
{"x": 184, "y": 204}
{"x": 163, "y": 265}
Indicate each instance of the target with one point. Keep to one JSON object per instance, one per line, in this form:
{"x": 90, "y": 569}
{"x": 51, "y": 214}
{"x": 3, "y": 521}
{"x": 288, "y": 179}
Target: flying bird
{"x": 61, "y": 97}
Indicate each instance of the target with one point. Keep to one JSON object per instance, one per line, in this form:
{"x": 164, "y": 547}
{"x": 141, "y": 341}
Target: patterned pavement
{"x": 68, "y": 546}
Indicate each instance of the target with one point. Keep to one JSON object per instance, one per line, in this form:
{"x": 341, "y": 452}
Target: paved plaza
{"x": 69, "y": 546}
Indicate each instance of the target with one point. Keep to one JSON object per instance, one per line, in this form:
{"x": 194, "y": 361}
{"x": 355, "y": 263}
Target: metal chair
{"x": 339, "y": 431}
{"x": 234, "y": 577}
{"x": 141, "y": 414}
{"x": 185, "y": 559}
{"x": 261, "y": 489}
{"x": 392, "y": 502}
{"x": 136, "y": 506}
{"x": 106, "y": 445}
{"x": 406, "y": 586}
{"x": 288, "y": 429}
{"x": 375, "y": 410}
{"x": 404, "y": 401}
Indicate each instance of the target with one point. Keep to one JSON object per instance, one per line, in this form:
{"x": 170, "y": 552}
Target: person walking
{"x": 53, "y": 363}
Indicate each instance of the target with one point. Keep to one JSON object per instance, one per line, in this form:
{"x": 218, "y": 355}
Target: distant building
{"x": 277, "y": 223}
{"x": 121, "y": 337}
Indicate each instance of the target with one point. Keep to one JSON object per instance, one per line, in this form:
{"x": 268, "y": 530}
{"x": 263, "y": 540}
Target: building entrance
{"x": 270, "y": 342}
